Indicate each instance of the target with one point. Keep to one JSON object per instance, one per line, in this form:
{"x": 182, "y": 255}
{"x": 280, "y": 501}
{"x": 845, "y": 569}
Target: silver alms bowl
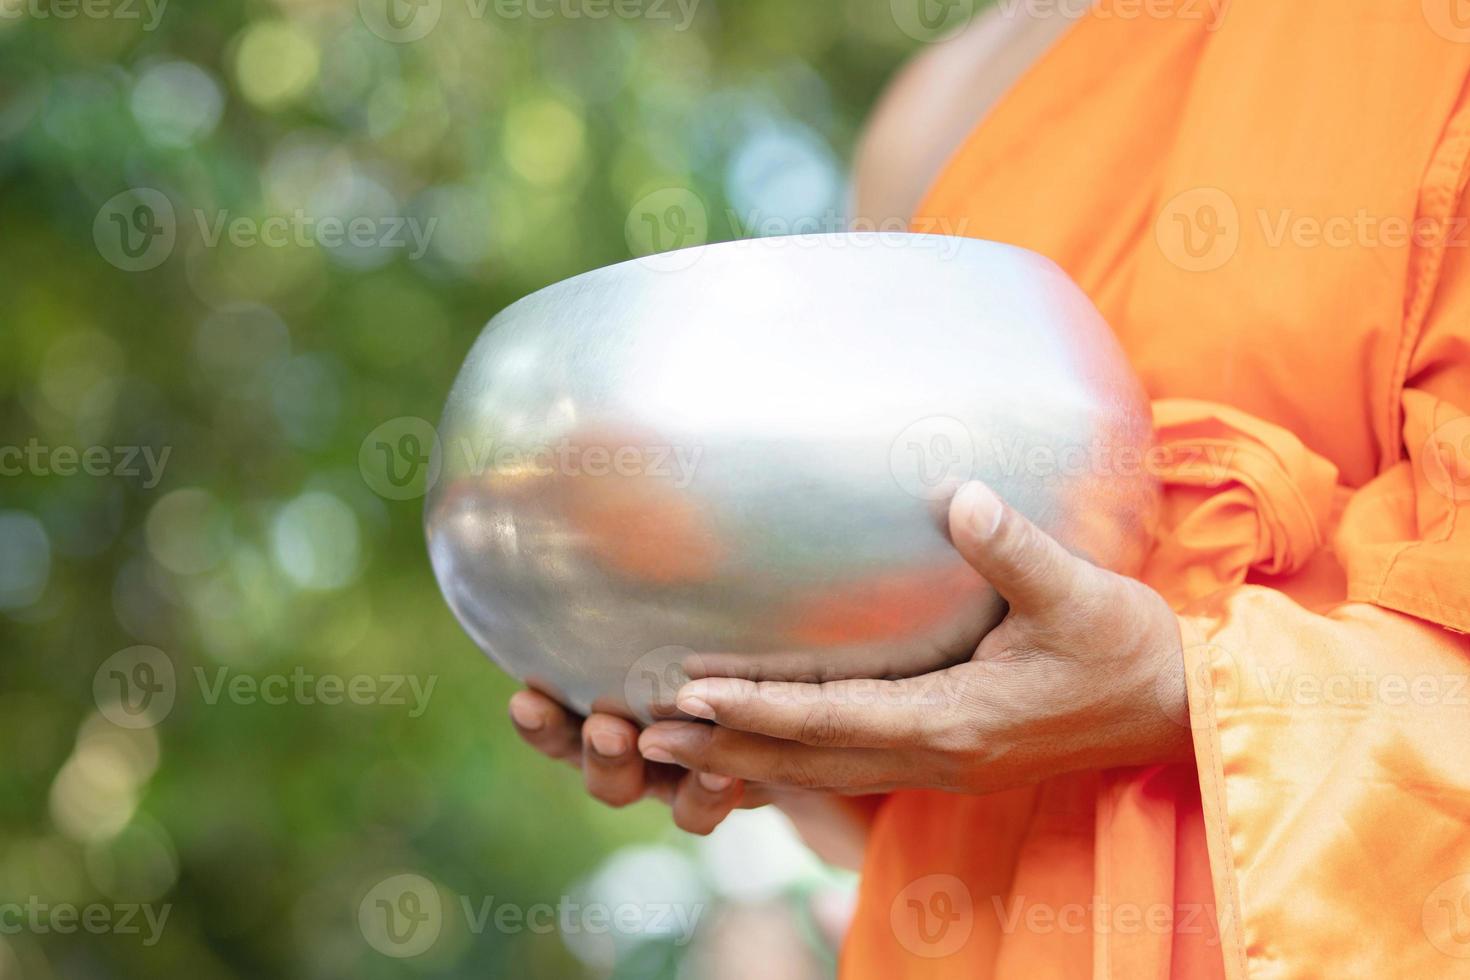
{"x": 746, "y": 451}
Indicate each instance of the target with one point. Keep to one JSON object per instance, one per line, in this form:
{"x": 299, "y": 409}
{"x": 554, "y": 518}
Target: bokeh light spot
{"x": 314, "y": 540}
{"x": 176, "y": 103}
{"x": 544, "y": 140}
{"x": 275, "y": 63}
{"x": 188, "y": 531}
{"x": 25, "y": 559}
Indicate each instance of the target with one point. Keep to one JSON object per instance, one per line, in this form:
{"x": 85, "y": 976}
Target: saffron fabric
{"x": 1266, "y": 201}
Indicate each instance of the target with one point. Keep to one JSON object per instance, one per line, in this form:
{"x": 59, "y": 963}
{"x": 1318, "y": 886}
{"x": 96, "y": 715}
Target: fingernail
{"x": 692, "y": 704}
{"x": 609, "y": 745}
{"x": 657, "y": 753}
{"x": 527, "y": 716}
{"x": 714, "y": 782}
{"x": 983, "y": 505}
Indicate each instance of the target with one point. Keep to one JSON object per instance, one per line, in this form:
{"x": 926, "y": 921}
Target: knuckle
{"x": 724, "y": 751}
{"x": 945, "y": 732}
{"x": 767, "y": 696}
{"x": 798, "y": 773}
{"x": 1016, "y": 535}
{"x": 1047, "y": 564}
{"x": 821, "y": 725}
{"x": 948, "y": 768}
{"x": 1034, "y": 558}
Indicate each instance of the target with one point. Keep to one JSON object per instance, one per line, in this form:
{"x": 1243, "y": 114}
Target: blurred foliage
{"x": 261, "y": 549}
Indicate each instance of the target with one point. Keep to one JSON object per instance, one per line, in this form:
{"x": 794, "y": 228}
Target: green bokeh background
{"x": 264, "y": 548}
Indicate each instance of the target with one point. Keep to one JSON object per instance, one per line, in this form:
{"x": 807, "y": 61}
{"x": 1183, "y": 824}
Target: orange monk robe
{"x": 1268, "y": 207}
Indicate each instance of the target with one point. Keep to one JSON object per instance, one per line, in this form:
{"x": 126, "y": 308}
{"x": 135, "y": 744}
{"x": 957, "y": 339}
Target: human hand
{"x": 603, "y": 747}
{"x": 1085, "y": 672}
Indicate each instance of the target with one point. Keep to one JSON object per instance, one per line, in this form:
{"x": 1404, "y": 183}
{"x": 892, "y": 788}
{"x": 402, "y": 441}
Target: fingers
{"x": 605, "y": 748}
{"x": 1023, "y": 563}
{"x": 705, "y": 799}
{"x": 546, "y": 726}
{"x": 613, "y": 772}
{"x": 853, "y": 713}
{"x": 617, "y": 775}
{"x": 759, "y": 758}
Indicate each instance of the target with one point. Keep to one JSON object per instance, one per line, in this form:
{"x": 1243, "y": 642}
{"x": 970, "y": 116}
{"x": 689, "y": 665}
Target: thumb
{"x": 1027, "y": 566}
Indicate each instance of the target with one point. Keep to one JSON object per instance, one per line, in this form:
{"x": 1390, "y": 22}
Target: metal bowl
{"x": 739, "y": 457}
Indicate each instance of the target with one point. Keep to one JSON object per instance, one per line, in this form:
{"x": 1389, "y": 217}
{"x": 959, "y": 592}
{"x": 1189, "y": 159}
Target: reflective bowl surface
{"x": 738, "y": 458}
